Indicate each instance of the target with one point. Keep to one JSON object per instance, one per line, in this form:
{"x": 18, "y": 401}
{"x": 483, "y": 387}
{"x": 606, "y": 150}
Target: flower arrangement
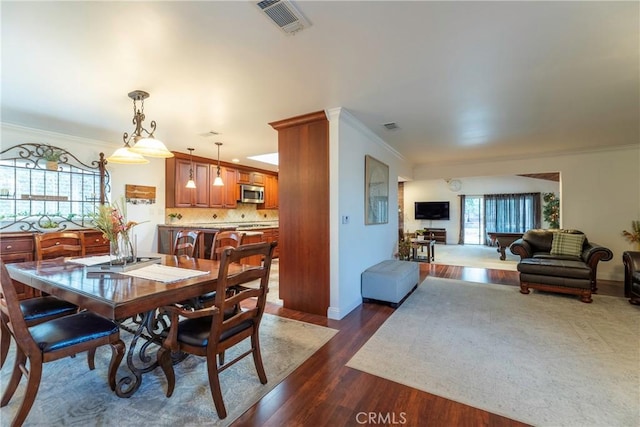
{"x": 633, "y": 236}
{"x": 112, "y": 222}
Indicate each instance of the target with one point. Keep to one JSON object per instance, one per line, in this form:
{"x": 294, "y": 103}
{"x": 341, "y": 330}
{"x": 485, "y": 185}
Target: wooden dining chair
{"x": 223, "y": 239}
{"x": 57, "y": 244}
{"x": 212, "y": 330}
{"x": 49, "y": 341}
{"x": 41, "y": 309}
{"x": 186, "y": 243}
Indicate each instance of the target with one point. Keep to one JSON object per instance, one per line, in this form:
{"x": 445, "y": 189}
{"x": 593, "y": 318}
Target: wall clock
{"x": 454, "y": 185}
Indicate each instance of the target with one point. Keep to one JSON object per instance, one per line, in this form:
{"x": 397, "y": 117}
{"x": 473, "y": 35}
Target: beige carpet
{"x": 478, "y": 256}
{"x": 71, "y": 395}
{"x": 544, "y": 359}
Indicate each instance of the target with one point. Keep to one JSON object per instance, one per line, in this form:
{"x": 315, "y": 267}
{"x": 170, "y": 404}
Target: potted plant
{"x": 52, "y": 156}
{"x": 633, "y": 236}
{"x": 420, "y": 234}
{"x": 551, "y": 210}
{"x": 173, "y": 216}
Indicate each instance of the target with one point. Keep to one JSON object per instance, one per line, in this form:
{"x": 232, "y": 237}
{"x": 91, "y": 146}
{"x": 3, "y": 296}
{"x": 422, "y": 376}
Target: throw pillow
{"x": 567, "y": 244}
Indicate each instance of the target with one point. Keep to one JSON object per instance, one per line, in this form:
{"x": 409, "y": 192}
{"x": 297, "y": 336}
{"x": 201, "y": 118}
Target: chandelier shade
{"x": 125, "y": 156}
{"x": 141, "y": 142}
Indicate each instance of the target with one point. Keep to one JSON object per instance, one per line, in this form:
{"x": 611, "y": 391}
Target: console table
{"x": 437, "y": 234}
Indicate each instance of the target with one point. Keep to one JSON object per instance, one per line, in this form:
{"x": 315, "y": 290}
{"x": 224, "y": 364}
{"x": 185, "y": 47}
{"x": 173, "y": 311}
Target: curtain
{"x": 462, "y": 216}
{"x": 511, "y": 213}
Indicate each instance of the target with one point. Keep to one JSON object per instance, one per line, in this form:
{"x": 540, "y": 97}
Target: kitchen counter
{"x": 254, "y": 230}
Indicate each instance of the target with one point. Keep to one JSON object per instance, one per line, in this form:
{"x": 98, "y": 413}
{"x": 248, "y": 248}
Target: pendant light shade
{"x": 191, "y": 183}
{"x": 125, "y": 156}
{"x": 138, "y": 144}
{"x": 218, "y": 181}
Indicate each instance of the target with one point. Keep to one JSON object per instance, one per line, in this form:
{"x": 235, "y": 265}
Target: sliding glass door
{"x": 473, "y": 220}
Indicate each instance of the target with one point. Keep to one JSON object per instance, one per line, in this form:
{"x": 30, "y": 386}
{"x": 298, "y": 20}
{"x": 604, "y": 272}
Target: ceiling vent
{"x": 284, "y": 15}
{"x": 391, "y": 126}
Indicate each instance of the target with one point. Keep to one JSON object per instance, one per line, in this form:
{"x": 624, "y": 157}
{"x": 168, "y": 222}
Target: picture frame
{"x": 376, "y": 191}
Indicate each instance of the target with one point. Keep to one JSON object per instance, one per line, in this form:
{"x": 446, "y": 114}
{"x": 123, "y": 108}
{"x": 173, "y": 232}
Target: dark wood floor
{"x": 324, "y": 392}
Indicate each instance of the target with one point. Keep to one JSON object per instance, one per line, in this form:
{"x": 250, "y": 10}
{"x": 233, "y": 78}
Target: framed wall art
{"x": 376, "y": 191}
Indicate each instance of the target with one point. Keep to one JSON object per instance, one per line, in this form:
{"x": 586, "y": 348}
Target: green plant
{"x": 633, "y": 236}
{"x": 551, "y": 209}
{"x": 51, "y": 154}
{"x": 404, "y": 248}
{"x": 49, "y": 224}
{"x": 175, "y": 215}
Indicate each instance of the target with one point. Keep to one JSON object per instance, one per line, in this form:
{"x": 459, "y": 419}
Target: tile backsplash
{"x": 245, "y": 212}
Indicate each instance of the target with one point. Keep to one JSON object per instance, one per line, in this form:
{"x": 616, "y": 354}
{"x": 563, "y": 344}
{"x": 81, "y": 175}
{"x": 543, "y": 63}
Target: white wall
{"x": 356, "y": 246}
{"x": 88, "y": 150}
{"x": 437, "y": 190}
{"x": 599, "y": 192}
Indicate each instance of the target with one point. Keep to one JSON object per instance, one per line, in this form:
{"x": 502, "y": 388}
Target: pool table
{"x": 503, "y": 240}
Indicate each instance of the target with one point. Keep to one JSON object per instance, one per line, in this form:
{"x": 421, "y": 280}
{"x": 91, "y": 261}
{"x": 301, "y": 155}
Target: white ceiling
{"x": 464, "y": 81}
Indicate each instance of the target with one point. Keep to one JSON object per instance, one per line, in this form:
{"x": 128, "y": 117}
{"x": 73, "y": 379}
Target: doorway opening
{"x": 473, "y": 220}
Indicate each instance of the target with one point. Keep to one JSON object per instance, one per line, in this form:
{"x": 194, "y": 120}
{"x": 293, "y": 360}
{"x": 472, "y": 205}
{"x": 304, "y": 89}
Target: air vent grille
{"x": 284, "y": 15}
{"x": 390, "y": 126}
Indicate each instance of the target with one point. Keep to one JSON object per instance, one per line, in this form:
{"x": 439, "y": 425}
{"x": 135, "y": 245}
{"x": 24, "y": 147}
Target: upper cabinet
{"x": 251, "y": 177}
{"x": 184, "y": 197}
{"x": 225, "y": 196}
{"x": 270, "y": 193}
{"x": 206, "y": 195}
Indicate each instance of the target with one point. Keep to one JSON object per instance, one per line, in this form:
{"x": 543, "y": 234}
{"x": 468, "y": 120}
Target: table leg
{"x": 153, "y": 324}
{"x": 503, "y": 255}
{"x": 432, "y": 247}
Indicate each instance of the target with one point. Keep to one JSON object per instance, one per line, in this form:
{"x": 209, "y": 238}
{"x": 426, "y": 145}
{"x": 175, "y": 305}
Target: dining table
{"x": 131, "y": 301}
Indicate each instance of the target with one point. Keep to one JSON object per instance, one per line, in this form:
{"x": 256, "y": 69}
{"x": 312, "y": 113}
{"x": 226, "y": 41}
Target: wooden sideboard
{"x": 439, "y": 234}
{"x": 20, "y": 247}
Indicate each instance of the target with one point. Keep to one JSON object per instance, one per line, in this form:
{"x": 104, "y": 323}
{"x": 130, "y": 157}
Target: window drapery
{"x": 511, "y": 213}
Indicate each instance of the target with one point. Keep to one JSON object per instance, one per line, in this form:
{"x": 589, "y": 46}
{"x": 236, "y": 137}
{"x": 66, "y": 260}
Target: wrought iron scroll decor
{"x": 47, "y": 188}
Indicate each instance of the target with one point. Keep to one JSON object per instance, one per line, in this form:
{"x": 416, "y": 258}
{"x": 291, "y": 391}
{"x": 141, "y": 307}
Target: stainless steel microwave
{"x": 251, "y": 194}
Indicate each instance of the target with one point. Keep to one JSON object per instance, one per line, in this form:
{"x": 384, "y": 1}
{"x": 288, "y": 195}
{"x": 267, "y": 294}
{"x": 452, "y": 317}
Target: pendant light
{"x": 191, "y": 183}
{"x": 137, "y": 144}
{"x": 218, "y": 181}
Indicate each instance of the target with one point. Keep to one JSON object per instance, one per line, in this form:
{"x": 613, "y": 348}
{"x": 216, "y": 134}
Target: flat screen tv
{"x": 432, "y": 210}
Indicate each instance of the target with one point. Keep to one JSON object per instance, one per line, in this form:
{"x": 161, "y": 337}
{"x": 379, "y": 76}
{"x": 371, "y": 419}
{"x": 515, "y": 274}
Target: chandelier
{"x": 191, "y": 183}
{"x": 141, "y": 142}
{"x": 218, "y": 181}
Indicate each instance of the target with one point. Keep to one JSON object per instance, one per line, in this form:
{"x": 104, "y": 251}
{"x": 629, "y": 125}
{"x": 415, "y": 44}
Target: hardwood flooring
{"x": 324, "y": 392}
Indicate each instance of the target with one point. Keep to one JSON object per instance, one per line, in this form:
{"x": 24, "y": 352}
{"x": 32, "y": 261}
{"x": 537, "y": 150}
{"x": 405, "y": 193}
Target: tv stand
{"x": 437, "y": 234}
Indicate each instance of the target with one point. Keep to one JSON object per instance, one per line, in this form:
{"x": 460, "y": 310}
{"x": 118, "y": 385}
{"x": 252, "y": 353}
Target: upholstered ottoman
{"x": 556, "y": 275}
{"x": 391, "y": 281}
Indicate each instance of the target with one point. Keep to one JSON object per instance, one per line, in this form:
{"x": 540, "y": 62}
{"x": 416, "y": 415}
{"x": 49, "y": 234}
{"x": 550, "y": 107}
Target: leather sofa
{"x": 543, "y": 269}
{"x": 631, "y": 261}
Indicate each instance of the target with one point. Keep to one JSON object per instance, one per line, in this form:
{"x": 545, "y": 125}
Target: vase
{"x": 121, "y": 250}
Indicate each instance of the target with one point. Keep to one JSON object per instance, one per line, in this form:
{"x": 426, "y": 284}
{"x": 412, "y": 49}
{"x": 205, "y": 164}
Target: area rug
{"x": 72, "y": 395}
{"x": 543, "y": 359}
{"x": 477, "y": 256}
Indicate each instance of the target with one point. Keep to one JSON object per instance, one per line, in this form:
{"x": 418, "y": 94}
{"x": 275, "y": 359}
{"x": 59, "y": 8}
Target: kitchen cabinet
{"x": 225, "y": 196}
{"x": 250, "y": 177}
{"x": 271, "y": 235}
{"x": 253, "y": 237}
{"x": 270, "y": 193}
{"x": 191, "y": 197}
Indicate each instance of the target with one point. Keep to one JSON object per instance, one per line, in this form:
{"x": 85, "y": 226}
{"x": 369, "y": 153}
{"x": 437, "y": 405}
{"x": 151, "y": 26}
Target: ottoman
{"x": 390, "y": 281}
{"x": 556, "y": 275}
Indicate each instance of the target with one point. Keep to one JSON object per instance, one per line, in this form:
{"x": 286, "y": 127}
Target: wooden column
{"x": 303, "y": 191}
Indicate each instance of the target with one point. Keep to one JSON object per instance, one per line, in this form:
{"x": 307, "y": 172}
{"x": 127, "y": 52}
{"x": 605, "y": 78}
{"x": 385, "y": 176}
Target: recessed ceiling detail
{"x": 284, "y": 15}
